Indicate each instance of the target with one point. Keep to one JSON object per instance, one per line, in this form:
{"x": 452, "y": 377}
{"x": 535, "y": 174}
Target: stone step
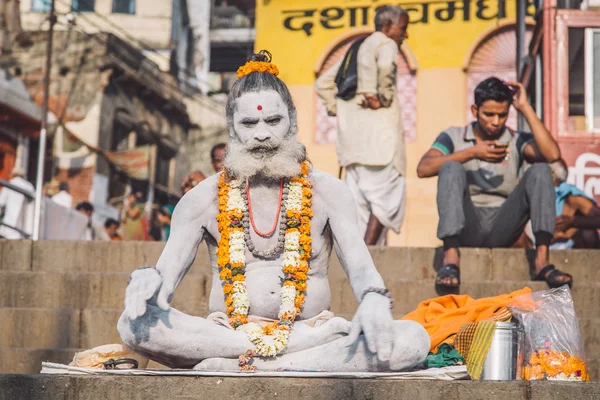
{"x": 64, "y": 328}
{"x": 478, "y": 264}
{"x": 29, "y": 360}
{"x": 71, "y": 387}
{"x": 89, "y": 291}
{"x": 58, "y": 327}
{"x": 86, "y": 256}
{"x": 99, "y": 327}
{"x": 107, "y": 290}
{"x": 409, "y": 293}
{"x": 20, "y": 360}
{"x": 40, "y": 327}
{"x": 15, "y": 255}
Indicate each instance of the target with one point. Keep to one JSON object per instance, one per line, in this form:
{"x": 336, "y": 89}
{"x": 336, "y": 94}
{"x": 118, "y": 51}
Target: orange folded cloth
{"x": 443, "y": 316}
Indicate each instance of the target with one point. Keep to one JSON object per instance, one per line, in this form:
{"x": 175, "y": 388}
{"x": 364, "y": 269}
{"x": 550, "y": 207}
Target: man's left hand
{"x": 564, "y": 222}
{"x": 519, "y": 96}
{"x": 374, "y": 319}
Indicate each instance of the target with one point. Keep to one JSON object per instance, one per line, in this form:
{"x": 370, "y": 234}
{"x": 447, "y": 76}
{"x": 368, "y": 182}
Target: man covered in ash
{"x": 270, "y": 221}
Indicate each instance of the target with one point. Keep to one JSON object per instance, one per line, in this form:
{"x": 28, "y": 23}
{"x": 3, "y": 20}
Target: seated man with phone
{"x": 482, "y": 201}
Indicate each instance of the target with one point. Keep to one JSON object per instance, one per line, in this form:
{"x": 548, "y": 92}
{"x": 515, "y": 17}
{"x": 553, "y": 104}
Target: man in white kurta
{"x": 63, "y": 197}
{"x": 370, "y": 141}
{"x": 15, "y": 206}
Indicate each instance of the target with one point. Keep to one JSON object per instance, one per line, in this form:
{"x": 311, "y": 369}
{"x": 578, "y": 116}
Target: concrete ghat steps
{"x": 58, "y": 297}
{"x": 160, "y": 387}
{"x": 65, "y": 328}
{"x": 20, "y": 360}
{"x": 406, "y": 262}
{"x": 107, "y": 290}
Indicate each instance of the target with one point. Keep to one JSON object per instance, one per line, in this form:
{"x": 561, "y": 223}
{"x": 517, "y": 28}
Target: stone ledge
{"x": 99, "y": 256}
{"x": 39, "y": 327}
{"x": 16, "y": 255}
{"x": 478, "y": 264}
{"x": 89, "y": 290}
{"x": 162, "y": 387}
{"x": 29, "y": 360}
{"x": 94, "y": 290}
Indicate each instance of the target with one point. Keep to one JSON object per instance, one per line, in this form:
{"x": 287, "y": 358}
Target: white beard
{"x": 243, "y": 164}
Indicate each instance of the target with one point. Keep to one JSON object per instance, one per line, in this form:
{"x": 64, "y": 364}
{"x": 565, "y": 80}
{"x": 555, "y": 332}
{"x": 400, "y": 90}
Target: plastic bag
{"x": 553, "y": 349}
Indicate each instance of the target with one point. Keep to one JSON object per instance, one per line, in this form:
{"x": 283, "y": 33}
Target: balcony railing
{"x": 229, "y": 17}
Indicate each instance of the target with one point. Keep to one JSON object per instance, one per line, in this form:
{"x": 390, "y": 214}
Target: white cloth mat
{"x": 446, "y": 373}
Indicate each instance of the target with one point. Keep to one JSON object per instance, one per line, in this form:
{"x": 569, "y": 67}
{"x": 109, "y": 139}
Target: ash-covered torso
{"x": 263, "y": 275}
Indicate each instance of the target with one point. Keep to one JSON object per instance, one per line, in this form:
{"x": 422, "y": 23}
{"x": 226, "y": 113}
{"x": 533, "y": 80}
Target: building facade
{"x": 146, "y": 21}
{"x": 563, "y": 79}
{"x": 20, "y": 126}
{"x": 120, "y": 122}
{"x": 452, "y": 45}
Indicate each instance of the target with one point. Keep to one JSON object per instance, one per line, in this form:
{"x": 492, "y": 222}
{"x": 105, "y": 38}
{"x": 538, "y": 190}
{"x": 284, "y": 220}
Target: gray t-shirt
{"x": 489, "y": 183}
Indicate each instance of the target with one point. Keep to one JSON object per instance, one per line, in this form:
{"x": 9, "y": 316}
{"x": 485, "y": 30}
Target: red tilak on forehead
{"x": 259, "y": 107}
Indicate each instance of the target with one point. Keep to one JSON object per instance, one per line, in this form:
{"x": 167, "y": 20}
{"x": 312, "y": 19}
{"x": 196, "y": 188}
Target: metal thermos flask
{"x": 505, "y": 358}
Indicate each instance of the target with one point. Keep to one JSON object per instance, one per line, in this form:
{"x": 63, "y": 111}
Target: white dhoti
{"x": 378, "y": 190}
{"x": 222, "y": 319}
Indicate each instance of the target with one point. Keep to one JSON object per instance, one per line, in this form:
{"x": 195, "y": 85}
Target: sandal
{"x": 447, "y": 271}
{"x": 553, "y": 278}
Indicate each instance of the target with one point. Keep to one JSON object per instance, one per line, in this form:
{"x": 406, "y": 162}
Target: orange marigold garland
{"x": 257, "y": 66}
{"x": 555, "y": 365}
{"x": 271, "y": 339}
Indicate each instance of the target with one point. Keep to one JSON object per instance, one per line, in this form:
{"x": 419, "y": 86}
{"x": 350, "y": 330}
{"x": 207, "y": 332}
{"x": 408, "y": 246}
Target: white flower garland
{"x": 274, "y": 343}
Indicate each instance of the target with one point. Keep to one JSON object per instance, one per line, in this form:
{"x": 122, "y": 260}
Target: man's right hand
{"x": 144, "y": 285}
{"x": 371, "y": 101}
{"x": 488, "y": 151}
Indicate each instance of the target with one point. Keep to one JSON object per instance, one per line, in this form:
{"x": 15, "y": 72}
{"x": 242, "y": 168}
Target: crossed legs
{"x": 463, "y": 224}
{"x": 179, "y": 340}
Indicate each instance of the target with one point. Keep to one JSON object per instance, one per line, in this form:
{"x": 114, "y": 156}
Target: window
{"x": 123, "y": 7}
{"x": 40, "y": 5}
{"x": 584, "y": 81}
{"x": 163, "y": 168}
{"x": 83, "y": 5}
{"x": 576, "y": 122}
{"x": 592, "y": 80}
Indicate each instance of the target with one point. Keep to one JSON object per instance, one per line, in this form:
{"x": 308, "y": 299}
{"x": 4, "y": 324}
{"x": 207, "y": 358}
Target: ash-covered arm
{"x": 373, "y": 317}
{"x": 155, "y": 286}
{"x": 188, "y": 225}
{"x": 348, "y": 241}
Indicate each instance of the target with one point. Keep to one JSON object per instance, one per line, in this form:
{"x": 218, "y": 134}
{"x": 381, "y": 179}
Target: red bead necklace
{"x": 259, "y": 233}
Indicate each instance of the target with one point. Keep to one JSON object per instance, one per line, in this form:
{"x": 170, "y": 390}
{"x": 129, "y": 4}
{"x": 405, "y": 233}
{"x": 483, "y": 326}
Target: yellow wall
{"x": 440, "y": 49}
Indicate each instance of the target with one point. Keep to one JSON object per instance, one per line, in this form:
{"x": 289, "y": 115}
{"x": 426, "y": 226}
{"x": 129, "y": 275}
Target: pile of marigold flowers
{"x": 555, "y": 365}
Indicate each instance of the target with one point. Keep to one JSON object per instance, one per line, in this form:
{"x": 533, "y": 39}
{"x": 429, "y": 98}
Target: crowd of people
{"x": 137, "y": 220}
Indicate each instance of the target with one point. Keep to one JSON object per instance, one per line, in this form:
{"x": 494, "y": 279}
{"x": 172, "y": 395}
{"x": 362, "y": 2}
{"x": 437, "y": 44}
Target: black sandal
{"x": 552, "y": 279}
{"x": 447, "y": 271}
